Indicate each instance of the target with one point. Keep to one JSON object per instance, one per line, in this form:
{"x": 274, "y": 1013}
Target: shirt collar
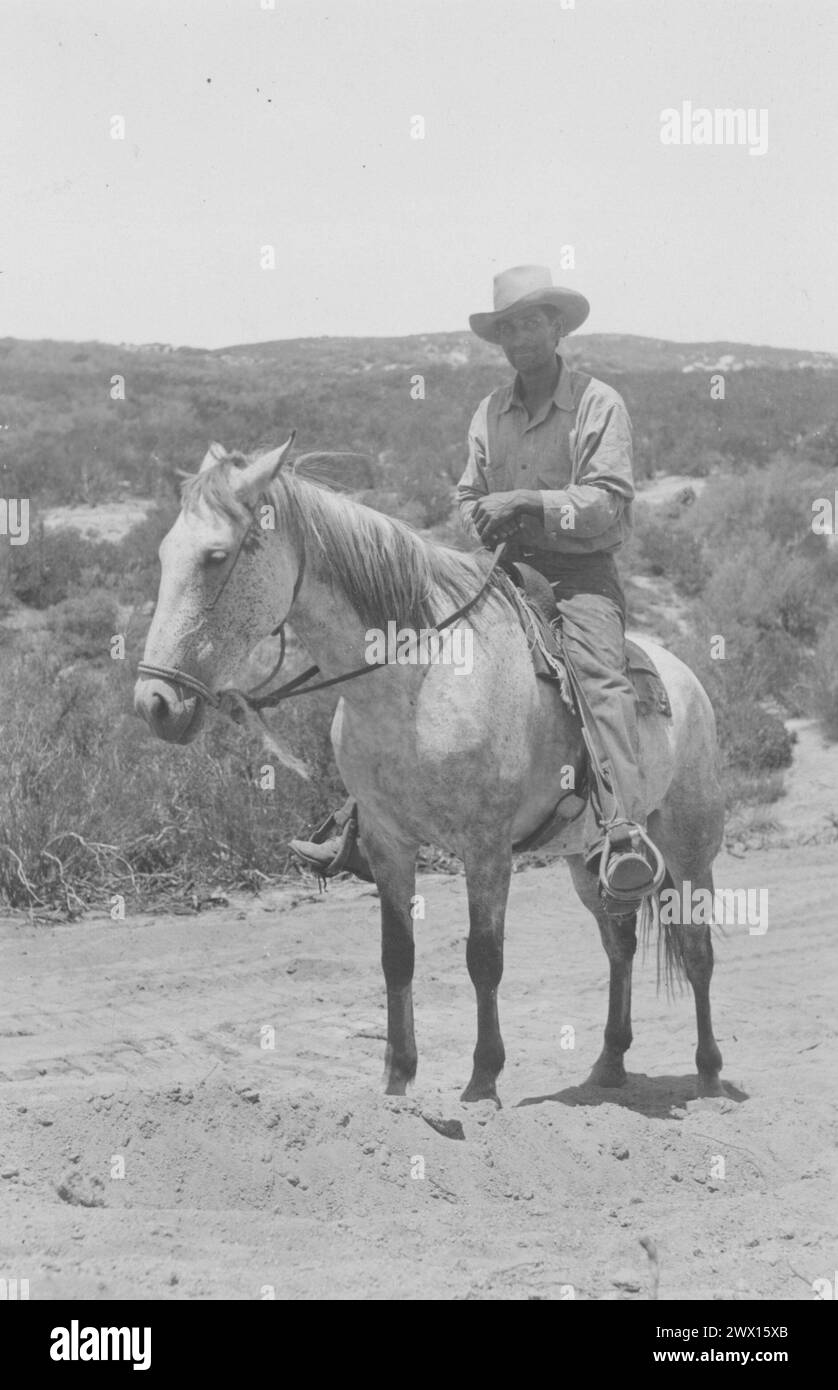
{"x": 562, "y": 396}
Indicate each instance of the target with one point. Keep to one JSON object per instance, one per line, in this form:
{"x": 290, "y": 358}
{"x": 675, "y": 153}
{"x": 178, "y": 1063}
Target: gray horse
{"x": 469, "y": 760}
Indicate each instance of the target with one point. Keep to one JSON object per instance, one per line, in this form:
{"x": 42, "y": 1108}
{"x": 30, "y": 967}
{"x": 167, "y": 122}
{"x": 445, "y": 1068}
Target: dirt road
{"x": 143, "y": 1048}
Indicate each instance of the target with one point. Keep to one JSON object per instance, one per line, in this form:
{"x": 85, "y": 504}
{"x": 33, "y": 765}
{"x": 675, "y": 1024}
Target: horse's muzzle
{"x": 168, "y": 715}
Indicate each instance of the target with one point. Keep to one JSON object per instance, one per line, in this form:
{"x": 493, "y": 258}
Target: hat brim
{"x": 574, "y": 308}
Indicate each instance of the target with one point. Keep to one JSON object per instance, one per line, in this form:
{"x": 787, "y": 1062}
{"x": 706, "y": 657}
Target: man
{"x": 550, "y": 465}
{"x": 550, "y": 470}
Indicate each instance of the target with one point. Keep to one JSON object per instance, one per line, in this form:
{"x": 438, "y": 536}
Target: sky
{"x": 290, "y": 125}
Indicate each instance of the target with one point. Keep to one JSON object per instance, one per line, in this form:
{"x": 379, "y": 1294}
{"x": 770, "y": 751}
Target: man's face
{"x": 529, "y": 338}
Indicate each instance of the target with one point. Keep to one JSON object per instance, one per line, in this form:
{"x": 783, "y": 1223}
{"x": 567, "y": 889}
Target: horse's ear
{"x": 215, "y": 453}
{"x": 257, "y": 475}
{"x": 270, "y": 464}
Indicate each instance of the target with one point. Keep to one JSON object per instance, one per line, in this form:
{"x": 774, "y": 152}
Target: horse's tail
{"x": 671, "y": 966}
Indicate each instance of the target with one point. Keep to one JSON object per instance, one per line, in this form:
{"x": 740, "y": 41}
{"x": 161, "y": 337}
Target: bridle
{"x": 225, "y": 699}
{"x": 192, "y": 683}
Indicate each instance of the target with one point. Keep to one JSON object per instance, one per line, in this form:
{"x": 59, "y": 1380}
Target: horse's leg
{"x": 619, "y": 938}
{"x": 697, "y": 949}
{"x": 394, "y": 868}
{"x": 685, "y": 843}
{"x": 487, "y": 876}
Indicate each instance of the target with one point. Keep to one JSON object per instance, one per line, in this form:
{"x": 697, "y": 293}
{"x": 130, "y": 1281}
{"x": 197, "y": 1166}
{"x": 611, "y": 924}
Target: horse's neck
{"x": 335, "y": 636}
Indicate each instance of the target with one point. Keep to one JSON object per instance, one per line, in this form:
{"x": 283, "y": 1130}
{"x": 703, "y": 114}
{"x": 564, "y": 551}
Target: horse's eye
{"x": 216, "y": 557}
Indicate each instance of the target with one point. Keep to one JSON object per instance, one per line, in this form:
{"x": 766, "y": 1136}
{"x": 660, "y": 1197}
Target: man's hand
{"x": 497, "y": 515}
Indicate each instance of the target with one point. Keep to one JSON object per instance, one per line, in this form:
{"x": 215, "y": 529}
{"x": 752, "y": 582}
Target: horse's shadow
{"x": 655, "y": 1096}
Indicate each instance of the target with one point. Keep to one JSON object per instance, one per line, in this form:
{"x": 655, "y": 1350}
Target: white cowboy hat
{"x": 524, "y": 285}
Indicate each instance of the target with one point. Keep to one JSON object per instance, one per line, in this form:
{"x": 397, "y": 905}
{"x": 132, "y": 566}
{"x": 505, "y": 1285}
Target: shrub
{"x": 770, "y": 505}
{"x": 751, "y": 738}
{"x": 766, "y": 587}
{"x": 136, "y": 555}
{"x": 416, "y": 487}
{"x": 752, "y": 789}
{"x": 45, "y": 569}
{"x": 669, "y": 549}
{"x": 92, "y": 804}
{"x": 773, "y": 662}
{"x": 82, "y": 627}
{"x": 823, "y": 680}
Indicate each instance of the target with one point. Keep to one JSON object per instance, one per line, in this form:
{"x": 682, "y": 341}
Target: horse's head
{"x": 223, "y": 587}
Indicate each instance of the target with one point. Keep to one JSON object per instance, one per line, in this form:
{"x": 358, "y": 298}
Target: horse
{"x": 470, "y": 760}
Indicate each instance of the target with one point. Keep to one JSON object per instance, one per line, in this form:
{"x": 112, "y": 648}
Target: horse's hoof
{"x": 396, "y": 1086}
{"x": 710, "y": 1086}
{"x": 608, "y": 1074}
{"x": 480, "y": 1091}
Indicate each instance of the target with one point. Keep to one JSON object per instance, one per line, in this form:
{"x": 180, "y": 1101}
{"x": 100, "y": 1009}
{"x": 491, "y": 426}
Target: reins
{"x": 299, "y": 685}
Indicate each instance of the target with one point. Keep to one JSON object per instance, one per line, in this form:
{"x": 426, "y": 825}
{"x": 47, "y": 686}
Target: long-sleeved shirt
{"x": 576, "y": 451}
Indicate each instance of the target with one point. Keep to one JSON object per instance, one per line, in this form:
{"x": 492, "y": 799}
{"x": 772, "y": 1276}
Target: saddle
{"x": 540, "y": 614}
{"x": 548, "y": 654}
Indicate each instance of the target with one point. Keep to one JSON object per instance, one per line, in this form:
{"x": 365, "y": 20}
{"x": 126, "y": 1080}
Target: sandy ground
{"x": 141, "y": 1047}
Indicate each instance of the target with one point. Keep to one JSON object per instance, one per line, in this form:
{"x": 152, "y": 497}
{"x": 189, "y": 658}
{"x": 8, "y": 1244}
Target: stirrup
{"x": 348, "y": 857}
{"x": 615, "y": 898}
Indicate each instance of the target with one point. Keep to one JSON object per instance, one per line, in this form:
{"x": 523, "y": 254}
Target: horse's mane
{"x": 384, "y": 568}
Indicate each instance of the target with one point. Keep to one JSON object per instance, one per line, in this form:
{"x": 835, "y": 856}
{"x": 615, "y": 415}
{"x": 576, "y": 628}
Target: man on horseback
{"x": 550, "y": 472}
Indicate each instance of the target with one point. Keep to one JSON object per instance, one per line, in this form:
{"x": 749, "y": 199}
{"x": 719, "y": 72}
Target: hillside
{"x": 85, "y": 422}
{"x": 621, "y": 352}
